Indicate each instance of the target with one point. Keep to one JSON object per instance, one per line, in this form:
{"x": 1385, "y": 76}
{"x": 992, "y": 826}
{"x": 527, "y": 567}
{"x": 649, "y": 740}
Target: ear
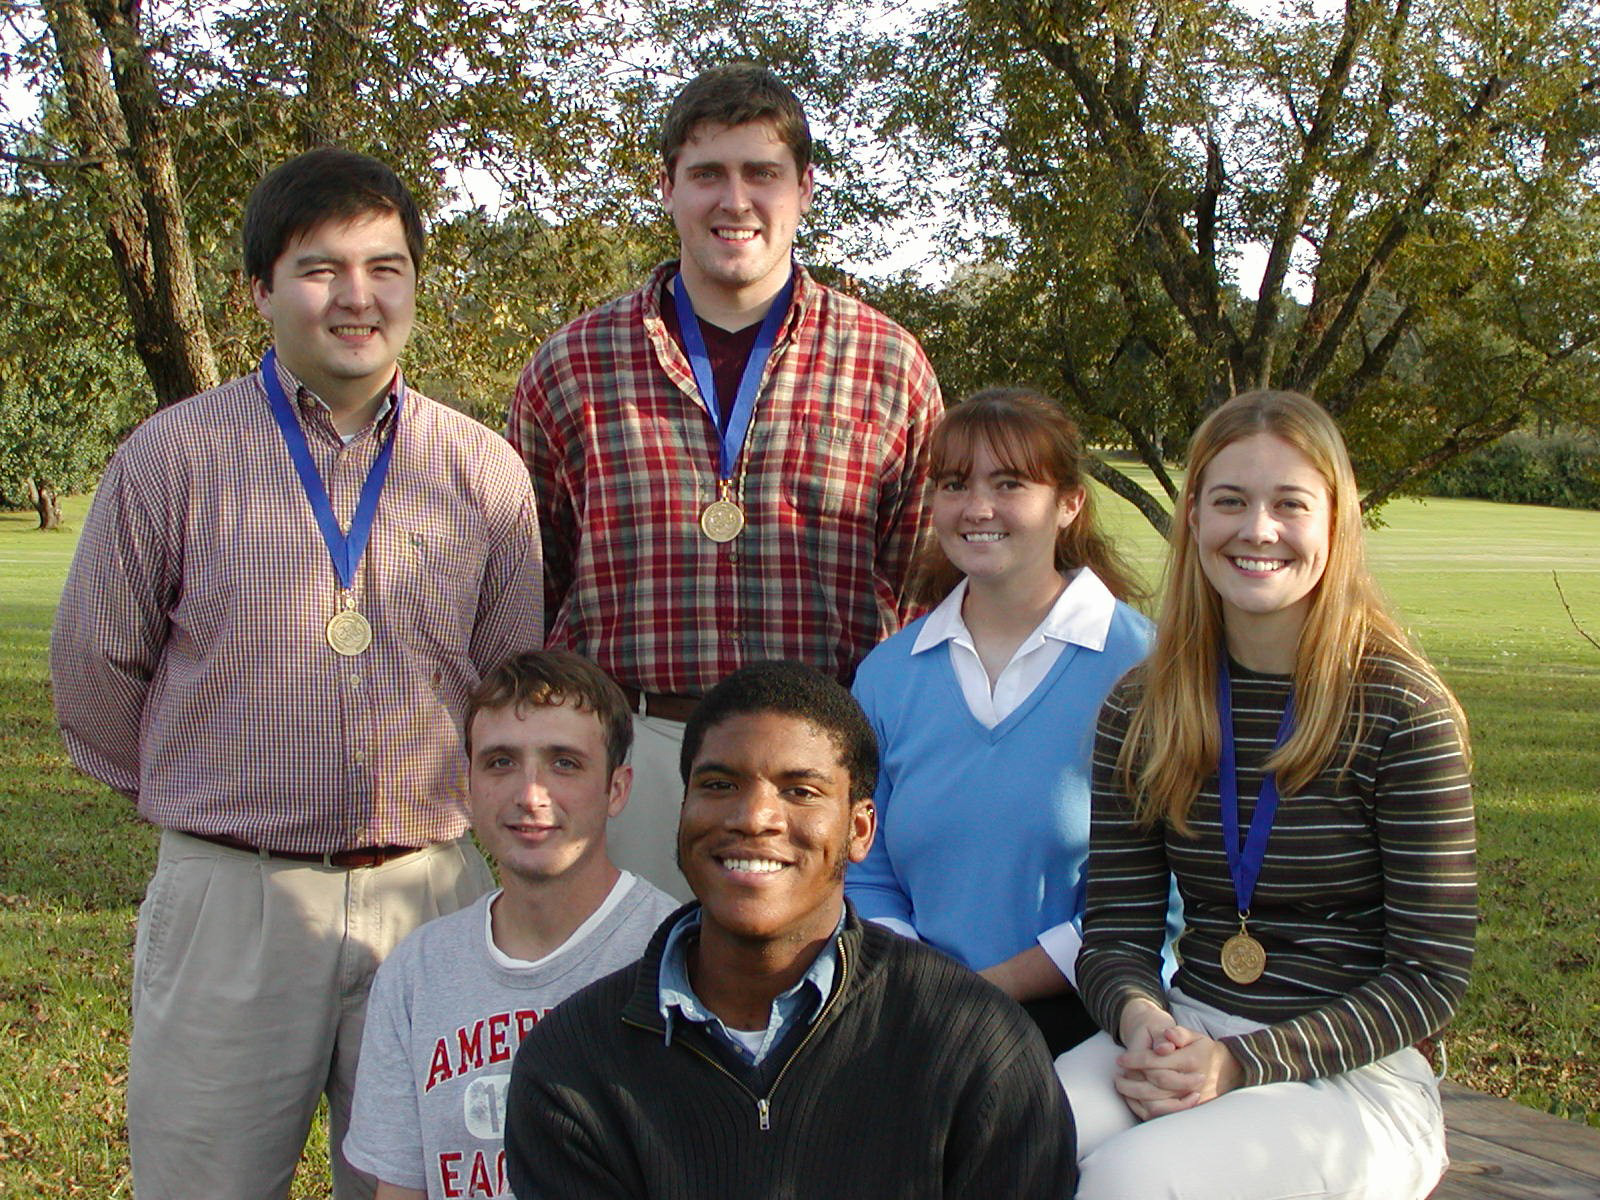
{"x": 262, "y": 296}
{"x": 863, "y": 828}
{"x": 1068, "y": 505}
{"x": 621, "y": 785}
{"x": 664, "y": 181}
{"x": 808, "y": 183}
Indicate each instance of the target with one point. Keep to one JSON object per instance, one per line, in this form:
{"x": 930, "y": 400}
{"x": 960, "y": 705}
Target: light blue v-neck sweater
{"x": 983, "y": 833}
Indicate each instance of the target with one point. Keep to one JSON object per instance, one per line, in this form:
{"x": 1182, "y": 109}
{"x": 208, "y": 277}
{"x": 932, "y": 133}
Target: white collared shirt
{"x": 1081, "y": 615}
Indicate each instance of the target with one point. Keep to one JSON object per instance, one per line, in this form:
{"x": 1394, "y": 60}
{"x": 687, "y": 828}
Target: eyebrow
{"x": 540, "y": 748}
{"x": 794, "y": 773}
{"x": 696, "y": 163}
{"x": 1282, "y": 487}
{"x": 309, "y": 260}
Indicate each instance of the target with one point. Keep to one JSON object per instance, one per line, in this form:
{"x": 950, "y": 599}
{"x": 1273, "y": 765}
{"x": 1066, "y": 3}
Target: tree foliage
{"x": 67, "y": 391}
{"x": 160, "y": 117}
{"x": 1418, "y": 174}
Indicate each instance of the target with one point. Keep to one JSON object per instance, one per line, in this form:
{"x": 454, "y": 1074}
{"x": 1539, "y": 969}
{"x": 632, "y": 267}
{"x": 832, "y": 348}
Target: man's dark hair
{"x": 544, "y": 678}
{"x": 327, "y": 184}
{"x": 736, "y": 94}
{"x": 790, "y": 689}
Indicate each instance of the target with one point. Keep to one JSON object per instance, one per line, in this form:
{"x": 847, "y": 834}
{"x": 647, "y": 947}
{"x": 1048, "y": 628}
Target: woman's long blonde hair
{"x": 1029, "y": 434}
{"x": 1173, "y": 738}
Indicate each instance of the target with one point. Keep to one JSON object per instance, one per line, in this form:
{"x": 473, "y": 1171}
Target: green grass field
{"x": 1472, "y": 580}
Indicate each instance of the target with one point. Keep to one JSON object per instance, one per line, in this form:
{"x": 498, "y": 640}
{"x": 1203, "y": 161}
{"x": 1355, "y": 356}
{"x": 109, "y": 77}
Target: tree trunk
{"x": 46, "y": 503}
{"x": 341, "y": 38}
{"x": 116, "y": 119}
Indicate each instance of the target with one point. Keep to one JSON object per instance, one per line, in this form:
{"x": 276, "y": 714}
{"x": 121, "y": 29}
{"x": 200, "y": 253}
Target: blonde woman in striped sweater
{"x": 1302, "y": 771}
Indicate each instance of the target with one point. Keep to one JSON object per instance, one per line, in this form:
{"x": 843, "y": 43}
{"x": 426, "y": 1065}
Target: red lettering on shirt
{"x": 526, "y": 1020}
{"x": 469, "y": 1044}
{"x": 480, "y": 1183}
{"x": 469, "y": 1049}
{"x": 439, "y": 1067}
{"x": 449, "y": 1177}
{"x": 499, "y": 1024}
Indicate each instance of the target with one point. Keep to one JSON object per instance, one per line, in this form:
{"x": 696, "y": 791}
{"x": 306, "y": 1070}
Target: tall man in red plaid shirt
{"x": 284, "y": 593}
{"x": 729, "y": 462}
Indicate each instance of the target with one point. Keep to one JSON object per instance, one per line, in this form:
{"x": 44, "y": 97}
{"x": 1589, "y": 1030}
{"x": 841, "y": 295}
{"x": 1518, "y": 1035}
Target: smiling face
{"x": 540, "y": 789}
{"x": 768, "y": 827}
{"x": 998, "y": 527}
{"x": 1261, "y": 522}
{"x": 341, "y": 304}
{"x": 736, "y": 196}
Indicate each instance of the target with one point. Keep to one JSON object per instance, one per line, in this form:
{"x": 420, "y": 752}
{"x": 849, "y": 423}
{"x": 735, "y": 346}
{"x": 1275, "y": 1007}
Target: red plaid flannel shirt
{"x": 624, "y": 456}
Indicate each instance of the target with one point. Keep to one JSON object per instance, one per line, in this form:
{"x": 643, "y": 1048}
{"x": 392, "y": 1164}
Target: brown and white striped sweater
{"x": 1366, "y": 904}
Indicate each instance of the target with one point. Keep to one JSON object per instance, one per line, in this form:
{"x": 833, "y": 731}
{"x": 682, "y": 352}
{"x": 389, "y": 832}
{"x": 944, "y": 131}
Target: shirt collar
{"x": 1081, "y": 615}
{"x": 805, "y": 292}
{"x": 292, "y": 386}
{"x": 676, "y": 996}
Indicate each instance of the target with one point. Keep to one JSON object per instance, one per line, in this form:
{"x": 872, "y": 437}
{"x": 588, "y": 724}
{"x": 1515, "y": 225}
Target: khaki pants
{"x": 250, "y": 979}
{"x": 644, "y": 838}
{"x": 1373, "y": 1133}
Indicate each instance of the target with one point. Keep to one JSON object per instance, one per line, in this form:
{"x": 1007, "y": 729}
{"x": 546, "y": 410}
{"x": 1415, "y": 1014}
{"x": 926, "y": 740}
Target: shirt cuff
{"x": 896, "y": 924}
{"x": 1061, "y": 944}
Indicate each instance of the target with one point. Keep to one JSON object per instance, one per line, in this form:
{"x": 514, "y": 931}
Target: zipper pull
{"x": 762, "y": 1112}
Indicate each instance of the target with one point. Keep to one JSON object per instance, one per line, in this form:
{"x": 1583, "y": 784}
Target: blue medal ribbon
{"x": 744, "y": 401}
{"x": 345, "y": 549}
{"x": 1244, "y": 864}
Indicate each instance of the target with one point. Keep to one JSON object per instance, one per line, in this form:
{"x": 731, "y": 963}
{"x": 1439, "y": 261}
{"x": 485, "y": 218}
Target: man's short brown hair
{"x": 545, "y": 678}
{"x": 736, "y": 94}
{"x": 326, "y": 184}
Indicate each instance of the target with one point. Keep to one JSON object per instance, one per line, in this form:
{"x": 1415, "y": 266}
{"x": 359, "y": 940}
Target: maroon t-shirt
{"x": 728, "y": 353}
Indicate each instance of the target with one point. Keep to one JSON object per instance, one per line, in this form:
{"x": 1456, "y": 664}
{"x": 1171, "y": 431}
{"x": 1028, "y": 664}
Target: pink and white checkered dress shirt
{"x": 189, "y": 661}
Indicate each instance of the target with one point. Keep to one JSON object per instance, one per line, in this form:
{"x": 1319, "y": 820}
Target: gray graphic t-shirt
{"x": 445, "y": 1017}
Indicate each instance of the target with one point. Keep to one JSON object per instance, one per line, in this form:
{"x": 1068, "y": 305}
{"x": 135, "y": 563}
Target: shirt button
{"x": 360, "y": 757}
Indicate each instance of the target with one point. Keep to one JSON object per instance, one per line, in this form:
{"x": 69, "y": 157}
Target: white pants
{"x": 1374, "y": 1133}
{"x": 644, "y": 837}
{"x": 250, "y": 979}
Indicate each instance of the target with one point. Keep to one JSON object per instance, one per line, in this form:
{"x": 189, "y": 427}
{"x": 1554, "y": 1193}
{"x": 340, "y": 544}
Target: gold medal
{"x": 722, "y": 520}
{"x": 348, "y": 632}
{"x": 1243, "y": 958}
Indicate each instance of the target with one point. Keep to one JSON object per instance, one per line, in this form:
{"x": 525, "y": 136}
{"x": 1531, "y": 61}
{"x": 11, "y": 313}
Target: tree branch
{"x": 1399, "y": 230}
{"x": 1571, "y": 616}
{"x": 1299, "y": 181}
{"x": 1130, "y": 491}
{"x": 77, "y": 162}
{"x": 1452, "y": 447}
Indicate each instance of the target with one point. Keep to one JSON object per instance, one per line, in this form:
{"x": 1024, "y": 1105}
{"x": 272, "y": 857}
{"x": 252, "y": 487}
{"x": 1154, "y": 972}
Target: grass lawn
{"x": 1473, "y": 580}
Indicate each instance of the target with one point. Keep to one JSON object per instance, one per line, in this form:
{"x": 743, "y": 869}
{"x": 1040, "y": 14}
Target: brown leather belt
{"x": 656, "y": 704}
{"x": 363, "y": 856}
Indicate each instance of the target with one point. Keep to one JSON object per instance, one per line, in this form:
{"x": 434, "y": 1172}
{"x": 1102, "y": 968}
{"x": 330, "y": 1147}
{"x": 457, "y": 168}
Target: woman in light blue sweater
{"x": 985, "y": 708}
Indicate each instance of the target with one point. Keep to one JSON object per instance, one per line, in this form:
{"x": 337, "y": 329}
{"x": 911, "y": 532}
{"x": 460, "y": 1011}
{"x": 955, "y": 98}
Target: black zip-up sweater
{"x": 917, "y": 1079}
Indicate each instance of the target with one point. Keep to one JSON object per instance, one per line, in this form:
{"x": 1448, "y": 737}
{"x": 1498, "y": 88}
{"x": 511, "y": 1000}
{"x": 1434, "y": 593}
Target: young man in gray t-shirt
{"x": 546, "y": 736}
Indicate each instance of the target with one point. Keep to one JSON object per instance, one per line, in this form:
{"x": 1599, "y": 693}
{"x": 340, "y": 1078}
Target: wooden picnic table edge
{"x": 1517, "y": 1127}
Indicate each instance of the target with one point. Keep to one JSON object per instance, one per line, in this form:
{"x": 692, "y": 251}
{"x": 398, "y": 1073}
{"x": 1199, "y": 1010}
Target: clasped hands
{"x": 1166, "y": 1068}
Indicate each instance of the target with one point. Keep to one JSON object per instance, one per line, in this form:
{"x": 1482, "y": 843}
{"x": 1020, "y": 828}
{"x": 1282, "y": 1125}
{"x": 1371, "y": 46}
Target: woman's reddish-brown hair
{"x": 1029, "y": 434}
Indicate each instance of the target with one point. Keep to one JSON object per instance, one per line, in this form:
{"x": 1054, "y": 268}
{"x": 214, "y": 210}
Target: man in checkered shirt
{"x": 283, "y": 595}
{"x": 729, "y": 462}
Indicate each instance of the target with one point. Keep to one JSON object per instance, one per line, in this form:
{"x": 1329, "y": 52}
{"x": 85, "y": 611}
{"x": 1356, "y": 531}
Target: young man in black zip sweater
{"x": 769, "y": 1045}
